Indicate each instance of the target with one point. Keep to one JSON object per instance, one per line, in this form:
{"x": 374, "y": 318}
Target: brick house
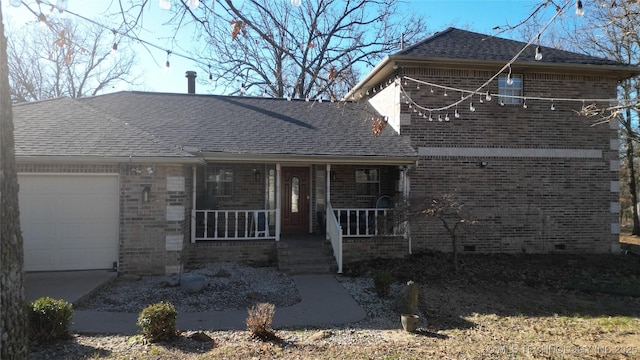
{"x": 146, "y": 182}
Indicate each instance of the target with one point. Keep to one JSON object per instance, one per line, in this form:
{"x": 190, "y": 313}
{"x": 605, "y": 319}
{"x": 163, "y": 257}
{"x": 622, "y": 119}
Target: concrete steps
{"x": 306, "y": 255}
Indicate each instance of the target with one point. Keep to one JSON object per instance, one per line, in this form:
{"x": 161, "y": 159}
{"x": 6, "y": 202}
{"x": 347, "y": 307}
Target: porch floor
{"x": 305, "y": 254}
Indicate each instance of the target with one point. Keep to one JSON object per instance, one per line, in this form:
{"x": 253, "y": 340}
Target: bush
{"x": 158, "y": 321}
{"x": 49, "y": 319}
{"x": 382, "y": 281}
{"x": 260, "y": 319}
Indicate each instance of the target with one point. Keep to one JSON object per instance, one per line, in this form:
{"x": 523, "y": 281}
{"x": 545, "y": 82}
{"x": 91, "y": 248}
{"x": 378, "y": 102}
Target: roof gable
{"x": 454, "y": 43}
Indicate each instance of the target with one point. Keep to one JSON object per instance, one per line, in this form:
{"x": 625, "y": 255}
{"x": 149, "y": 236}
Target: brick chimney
{"x": 191, "y": 82}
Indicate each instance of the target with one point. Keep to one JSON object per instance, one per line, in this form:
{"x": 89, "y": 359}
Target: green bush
{"x": 260, "y": 319}
{"x": 158, "y": 321}
{"x": 382, "y": 281}
{"x": 49, "y": 319}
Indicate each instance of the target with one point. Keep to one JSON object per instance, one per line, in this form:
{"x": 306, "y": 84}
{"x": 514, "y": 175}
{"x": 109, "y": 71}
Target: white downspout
{"x": 278, "y": 202}
{"x": 405, "y": 193}
{"x": 193, "y": 207}
{"x": 327, "y": 200}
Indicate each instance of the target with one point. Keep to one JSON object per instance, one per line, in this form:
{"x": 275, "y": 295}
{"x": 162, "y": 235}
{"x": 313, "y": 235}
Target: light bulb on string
{"x": 264, "y": 93}
{"x": 167, "y": 65}
{"x": 538, "y": 53}
{"x": 210, "y": 76}
{"x": 445, "y": 93}
{"x": 243, "y": 90}
{"x": 15, "y": 3}
{"x": 418, "y": 86}
{"x": 114, "y": 49}
{"x": 194, "y": 4}
{"x": 481, "y": 100}
{"x": 524, "y": 104}
{"x": 553, "y": 107}
{"x": 509, "y": 79}
{"x": 61, "y": 5}
{"x": 501, "y": 102}
{"x": 430, "y": 118}
{"x": 439, "y": 118}
{"x": 456, "y": 114}
{"x": 488, "y": 96}
{"x": 431, "y": 90}
{"x": 296, "y": 3}
{"x": 164, "y": 4}
{"x": 579, "y": 8}
{"x": 471, "y": 107}
{"x": 42, "y": 20}
{"x": 446, "y": 117}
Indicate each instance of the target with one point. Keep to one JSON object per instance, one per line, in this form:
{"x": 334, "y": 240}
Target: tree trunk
{"x": 454, "y": 242}
{"x": 13, "y": 339}
{"x": 632, "y": 178}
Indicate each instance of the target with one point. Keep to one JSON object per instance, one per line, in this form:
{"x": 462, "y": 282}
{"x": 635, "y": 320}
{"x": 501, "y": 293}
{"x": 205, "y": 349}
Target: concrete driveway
{"x": 70, "y": 286}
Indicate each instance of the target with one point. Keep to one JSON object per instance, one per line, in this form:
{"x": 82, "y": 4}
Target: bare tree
{"x": 613, "y": 31}
{"x": 65, "y": 58}
{"x": 13, "y": 330}
{"x": 307, "y": 51}
{"x": 453, "y": 216}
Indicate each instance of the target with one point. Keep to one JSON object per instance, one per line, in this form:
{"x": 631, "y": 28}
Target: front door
{"x": 295, "y": 200}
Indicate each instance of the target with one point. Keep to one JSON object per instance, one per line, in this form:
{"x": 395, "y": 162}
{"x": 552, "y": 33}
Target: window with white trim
{"x": 508, "y": 89}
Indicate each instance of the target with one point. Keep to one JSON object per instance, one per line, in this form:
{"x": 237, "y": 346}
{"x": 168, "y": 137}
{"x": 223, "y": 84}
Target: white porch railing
{"x": 231, "y": 224}
{"x": 366, "y": 222}
{"x": 334, "y": 233}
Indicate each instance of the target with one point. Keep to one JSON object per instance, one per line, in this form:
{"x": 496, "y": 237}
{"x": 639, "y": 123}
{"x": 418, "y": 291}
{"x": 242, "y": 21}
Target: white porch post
{"x": 328, "y": 199}
{"x": 278, "y": 202}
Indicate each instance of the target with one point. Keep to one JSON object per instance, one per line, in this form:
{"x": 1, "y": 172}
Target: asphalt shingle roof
{"x": 143, "y": 124}
{"x": 66, "y": 127}
{"x": 254, "y": 125}
{"x": 454, "y": 43}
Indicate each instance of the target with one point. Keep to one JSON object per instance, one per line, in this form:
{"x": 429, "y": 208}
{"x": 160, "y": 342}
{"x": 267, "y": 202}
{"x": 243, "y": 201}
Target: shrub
{"x": 158, "y": 321}
{"x": 49, "y": 319}
{"x": 260, "y": 319}
{"x": 382, "y": 281}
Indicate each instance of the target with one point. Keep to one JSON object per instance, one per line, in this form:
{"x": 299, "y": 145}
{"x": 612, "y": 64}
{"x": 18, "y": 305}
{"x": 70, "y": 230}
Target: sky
{"x": 475, "y": 15}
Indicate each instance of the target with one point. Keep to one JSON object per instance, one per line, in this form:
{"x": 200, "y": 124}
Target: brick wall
{"x": 254, "y": 252}
{"x": 357, "y": 249}
{"x": 536, "y": 180}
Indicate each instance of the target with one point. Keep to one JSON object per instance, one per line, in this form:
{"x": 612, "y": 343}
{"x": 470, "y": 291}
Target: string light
{"x": 42, "y": 20}
{"x": 524, "y": 103}
{"x": 167, "y": 65}
{"x": 538, "y": 53}
{"x": 194, "y": 4}
{"x": 61, "y": 5}
{"x": 296, "y": 3}
{"x": 114, "y": 49}
{"x": 579, "y": 8}
{"x": 553, "y": 107}
{"x": 165, "y": 4}
{"x": 509, "y": 79}
{"x": 210, "y": 75}
{"x": 471, "y": 107}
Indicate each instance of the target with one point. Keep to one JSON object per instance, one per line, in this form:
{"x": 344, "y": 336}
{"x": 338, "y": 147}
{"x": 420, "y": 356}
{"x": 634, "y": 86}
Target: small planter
{"x": 192, "y": 283}
{"x": 409, "y": 322}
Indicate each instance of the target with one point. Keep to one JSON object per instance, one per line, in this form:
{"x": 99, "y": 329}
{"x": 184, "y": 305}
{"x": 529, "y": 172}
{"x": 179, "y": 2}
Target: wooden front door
{"x": 295, "y": 200}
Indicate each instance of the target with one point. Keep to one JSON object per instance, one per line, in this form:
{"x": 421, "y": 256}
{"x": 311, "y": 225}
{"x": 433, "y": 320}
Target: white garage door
{"x": 69, "y": 222}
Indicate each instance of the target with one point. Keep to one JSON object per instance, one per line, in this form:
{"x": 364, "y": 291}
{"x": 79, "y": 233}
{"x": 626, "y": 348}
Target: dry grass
{"x": 497, "y": 307}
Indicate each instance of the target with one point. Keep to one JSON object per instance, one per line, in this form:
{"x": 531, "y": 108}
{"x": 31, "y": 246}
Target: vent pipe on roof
{"x": 191, "y": 82}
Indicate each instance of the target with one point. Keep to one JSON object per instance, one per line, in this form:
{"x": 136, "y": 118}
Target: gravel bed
{"x": 228, "y": 286}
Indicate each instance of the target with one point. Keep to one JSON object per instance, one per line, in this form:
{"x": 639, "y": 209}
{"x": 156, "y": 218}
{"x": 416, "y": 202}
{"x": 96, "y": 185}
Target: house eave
{"x": 309, "y": 159}
{"x": 390, "y": 64}
{"x": 80, "y": 159}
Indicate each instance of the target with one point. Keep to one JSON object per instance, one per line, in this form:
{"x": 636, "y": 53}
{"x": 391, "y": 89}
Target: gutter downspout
{"x": 193, "y": 207}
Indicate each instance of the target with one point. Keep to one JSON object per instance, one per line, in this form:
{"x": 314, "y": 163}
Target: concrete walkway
{"x": 324, "y": 302}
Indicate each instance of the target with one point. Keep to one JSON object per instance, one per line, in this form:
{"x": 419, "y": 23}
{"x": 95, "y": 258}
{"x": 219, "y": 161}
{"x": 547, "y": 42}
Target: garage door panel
{"x": 69, "y": 222}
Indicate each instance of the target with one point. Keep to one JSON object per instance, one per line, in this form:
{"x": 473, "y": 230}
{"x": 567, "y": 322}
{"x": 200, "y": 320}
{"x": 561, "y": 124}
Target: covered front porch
{"x": 264, "y": 201}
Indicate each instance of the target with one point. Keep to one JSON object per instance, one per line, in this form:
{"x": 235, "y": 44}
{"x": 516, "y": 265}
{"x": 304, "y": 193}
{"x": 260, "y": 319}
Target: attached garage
{"x": 69, "y": 221}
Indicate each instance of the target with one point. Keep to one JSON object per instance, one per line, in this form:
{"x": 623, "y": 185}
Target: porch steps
{"x": 306, "y": 255}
